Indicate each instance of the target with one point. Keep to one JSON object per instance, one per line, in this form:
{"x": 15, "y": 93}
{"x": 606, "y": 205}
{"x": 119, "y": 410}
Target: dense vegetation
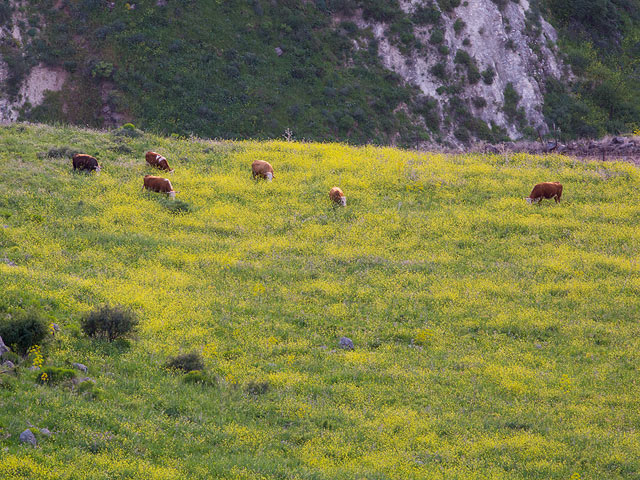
{"x": 601, "y": 40}
{"x": 493, "y": 339}
{"x": 224, "y": 69}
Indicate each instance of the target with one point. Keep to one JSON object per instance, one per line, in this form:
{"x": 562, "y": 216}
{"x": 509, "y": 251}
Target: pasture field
{"x": 493, "y": 339}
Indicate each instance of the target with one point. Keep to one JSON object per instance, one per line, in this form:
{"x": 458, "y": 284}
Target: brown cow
{"x": 262, "y": 169}
{"x": 547, "y": 190}
{"x": 156, "y": 160}
{"x": 159, "y": 184}
{"x": 338, "y": 197}
{"x": 82, "y": 161}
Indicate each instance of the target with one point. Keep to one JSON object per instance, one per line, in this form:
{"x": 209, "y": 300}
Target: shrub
{"x": 109, "y": 322}
{"x": 54, "y": 375}
{"x": 488, "y": 75}
{"x": 426, "y": 15}
{"x": 23, "y": 329}
{"x": 62, "y": 152}
{"x": 437, "y": 37}
{"x": 197, "y": 376}
{"x": 128, "y": 130}
{"x": 187, "y": 362}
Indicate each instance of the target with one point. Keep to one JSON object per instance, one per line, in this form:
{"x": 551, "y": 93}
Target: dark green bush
{"x": 448, "y": 5}
{"x": 437, "y": 37}
{"x": 186, "y": 362}
{"x": 54, "y": 375}
{"x": 109, "y": 322}
{"x": 62, "y": 152}
{"x": 488, "y": 75}
{"x": 426, "y": 15}
{"x": 23, "y": 329}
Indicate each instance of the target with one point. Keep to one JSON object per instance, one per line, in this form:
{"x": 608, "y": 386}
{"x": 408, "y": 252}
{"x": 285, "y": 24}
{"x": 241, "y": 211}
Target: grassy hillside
{"x": 493, "y": 339}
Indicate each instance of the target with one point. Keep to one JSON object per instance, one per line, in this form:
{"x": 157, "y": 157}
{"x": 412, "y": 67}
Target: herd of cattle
{"x": 264, "y": 170}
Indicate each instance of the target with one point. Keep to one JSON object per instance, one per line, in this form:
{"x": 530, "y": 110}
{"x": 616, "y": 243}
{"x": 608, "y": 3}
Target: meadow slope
{"x": 493, "y": 339}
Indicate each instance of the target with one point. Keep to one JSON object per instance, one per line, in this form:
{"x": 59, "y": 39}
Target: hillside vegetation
{"x": 211, "y": 68}
{"x": 493, "y": 339}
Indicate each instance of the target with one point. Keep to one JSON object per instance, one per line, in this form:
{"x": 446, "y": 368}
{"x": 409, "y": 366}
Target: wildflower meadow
{"x": 493, "y": 339}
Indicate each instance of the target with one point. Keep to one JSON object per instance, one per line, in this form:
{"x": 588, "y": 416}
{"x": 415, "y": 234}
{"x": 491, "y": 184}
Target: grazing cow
{"x": 156, "y": 160}
{"x": 159, "y": 184}
{"x": 338, "y": 197}
{"x": 82, "y": 161}
{"x": 547, "y": 190}
{"x": 262, "y": 169}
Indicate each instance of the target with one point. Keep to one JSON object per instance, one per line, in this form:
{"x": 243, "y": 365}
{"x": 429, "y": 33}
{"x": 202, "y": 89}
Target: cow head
{"x": 269, "y": 176}
{"x": 528, "y": 199}
{"x": 98, "y": 168}
{"x": 343, "y": 201}
{"x": 172, "y": 195}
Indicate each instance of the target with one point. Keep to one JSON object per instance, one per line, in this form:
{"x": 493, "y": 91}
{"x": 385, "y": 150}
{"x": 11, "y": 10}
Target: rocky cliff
{"x": 514, "y": 44}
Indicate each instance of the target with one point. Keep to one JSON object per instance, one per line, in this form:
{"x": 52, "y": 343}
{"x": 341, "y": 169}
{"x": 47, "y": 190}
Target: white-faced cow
{"x": 338, "y": 197}
{"x": 262, "y": 169}
{"x": 156, "y": 160}
{"x": 546, "y": 190}
{"x": 82, "y": 161}
{"x": 159, "y": 184}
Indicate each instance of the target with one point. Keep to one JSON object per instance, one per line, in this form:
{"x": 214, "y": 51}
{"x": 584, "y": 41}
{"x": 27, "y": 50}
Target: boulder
{"x": 3, "y": 347}
{"x": 9, "y": 364}
{"x": 346, "y": 343}
{"x": 279, "y": 51}
{"x": 46, "y": 432}
{"x": 81, "y": 367}
{"x": 28, "y": 437}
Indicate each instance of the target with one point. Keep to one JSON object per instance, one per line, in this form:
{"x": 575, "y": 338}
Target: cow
{"x": 159, "y": 184}
{"x": 547, "y": 190}
{"x": 262, "y": 169}
{"x": 83, "y": 161}
{"x": 156, "y": 160}
{"x": 338, "y": 197}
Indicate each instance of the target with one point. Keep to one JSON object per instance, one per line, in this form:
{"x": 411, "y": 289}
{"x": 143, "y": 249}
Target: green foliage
{"x": 426, "y": 14}
{"x": 89, "y": 390}
{"x": 488, "y": 75}
{"x": 510, "y": 107}
{"x": 458, "y": 25}
{"x": 186, "y": 362}
{"x": 54, "y": 375}
{"x": 473, "y": 74}
{"x": 197, "y": 377}
{"x": 20, "y": 329}
{"x": 109, "y": 322}
{"x": 175, "y": 206}
{"x": 102, "y": 70}
{"x": 448, "y": 5}
{"x": 600, "y": 39}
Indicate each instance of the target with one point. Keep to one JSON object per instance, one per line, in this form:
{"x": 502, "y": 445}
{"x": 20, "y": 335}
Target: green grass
{"x": 494, "y": 339}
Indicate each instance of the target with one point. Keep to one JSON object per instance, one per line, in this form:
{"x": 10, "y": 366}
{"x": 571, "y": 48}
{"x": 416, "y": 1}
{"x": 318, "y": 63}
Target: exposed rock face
{"x": 39, "y": 79}
{"x": 515, "y": 42}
